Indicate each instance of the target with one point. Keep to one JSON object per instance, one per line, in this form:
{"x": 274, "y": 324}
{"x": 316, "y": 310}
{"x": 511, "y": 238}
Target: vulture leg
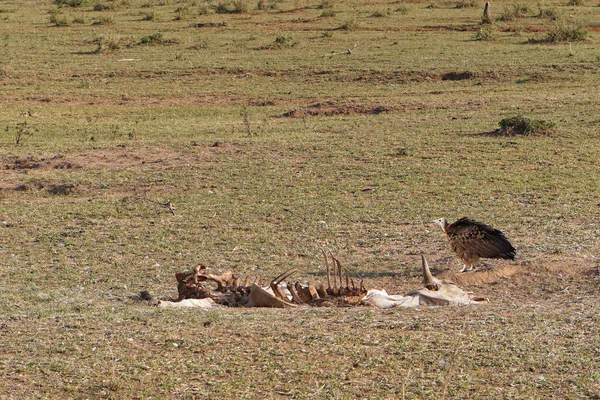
{"x": 468, "y": 267}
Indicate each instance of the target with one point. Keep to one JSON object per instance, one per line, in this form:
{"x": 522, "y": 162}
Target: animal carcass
{"x": 232, "y": 291}
{"x": 340, "y": 291}
{"x": 435, "y": 292}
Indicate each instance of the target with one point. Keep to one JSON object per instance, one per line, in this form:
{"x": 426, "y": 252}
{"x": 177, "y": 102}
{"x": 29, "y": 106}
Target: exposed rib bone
{"x": 313, "y": 291}
{"x": 284, "y": 276}
{"x": 327, "y": 267}
{"x": 302, "y": 293}
{"x": 339, "y": 268}
{"x": 295, "y": 297}
{"x": 275, "y": 284}
{"x": 322, "y": 290}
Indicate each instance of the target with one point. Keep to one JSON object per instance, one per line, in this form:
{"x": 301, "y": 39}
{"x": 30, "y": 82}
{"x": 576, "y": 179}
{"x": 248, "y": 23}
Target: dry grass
{"x": 266, "y": 151}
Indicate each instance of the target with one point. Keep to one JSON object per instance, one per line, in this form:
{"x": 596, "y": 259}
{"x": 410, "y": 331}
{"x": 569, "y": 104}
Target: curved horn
{"x": 428, "y": 279}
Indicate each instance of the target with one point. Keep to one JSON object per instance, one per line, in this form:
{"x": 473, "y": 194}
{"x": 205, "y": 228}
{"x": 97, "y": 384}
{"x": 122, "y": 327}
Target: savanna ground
{"x": 269, "y": 140}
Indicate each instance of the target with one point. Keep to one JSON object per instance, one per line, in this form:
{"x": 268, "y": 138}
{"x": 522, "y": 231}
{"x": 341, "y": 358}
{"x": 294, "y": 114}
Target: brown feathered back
{"x": 472, "y": 240}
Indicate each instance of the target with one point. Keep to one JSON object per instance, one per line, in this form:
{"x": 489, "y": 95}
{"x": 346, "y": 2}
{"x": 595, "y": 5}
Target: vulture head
{"x": 442, "y": 222}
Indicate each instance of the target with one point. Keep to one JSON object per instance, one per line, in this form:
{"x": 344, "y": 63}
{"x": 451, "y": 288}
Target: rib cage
{"x": 232, "y": 290}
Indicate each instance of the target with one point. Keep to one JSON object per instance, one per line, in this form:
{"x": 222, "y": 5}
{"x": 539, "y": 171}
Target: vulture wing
{"x": 475, "y": 239}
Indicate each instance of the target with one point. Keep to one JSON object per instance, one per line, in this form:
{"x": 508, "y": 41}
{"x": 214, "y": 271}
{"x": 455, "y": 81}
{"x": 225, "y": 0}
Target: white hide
{"x": 380, "y": 299}
{"x": 435, "y": 293}
{"x": 189, "y": 303}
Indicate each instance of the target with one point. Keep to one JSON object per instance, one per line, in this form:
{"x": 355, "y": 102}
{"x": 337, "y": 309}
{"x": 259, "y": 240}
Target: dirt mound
{"x": 578, "y": 268}
{"x": 482, "y": 276}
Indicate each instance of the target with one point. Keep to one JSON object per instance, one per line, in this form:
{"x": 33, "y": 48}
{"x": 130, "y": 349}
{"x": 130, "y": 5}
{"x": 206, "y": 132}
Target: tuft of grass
{"x": 379, "y": 14}
{"x": 157, "y": 39}
{"x": 284, "y": 41}
{"x": 103, "y": 21}
{"x": 328, "y": 13}
{"x": 70, "y": 3}
{"x": 348, "y": 25}
{"x": 154, "y": 38}
{"x": 575, "y": 3}
{"x": 57, "y": 19}
{"x": 150, "y": 16}
{"x": 22, "y": 130}
{"x": 104, "y": 7}
{"x": 203, "y": 9}
{"x": 563, "y": 30}
{"x": 232, "y": 7}
{"x": 326, "y": 4}
{"x": 402, "y": 9}
{"x": 466, "y": 4}
{"x": 520, "y": 125}
{"x": 547, "y": 13}
{"x": 486, "y": 33}
{"x": 107, "y": 44}
{"x": 264, "y": 5}
{"x": 181, "y": 13}
{"x": 513, "y": 12}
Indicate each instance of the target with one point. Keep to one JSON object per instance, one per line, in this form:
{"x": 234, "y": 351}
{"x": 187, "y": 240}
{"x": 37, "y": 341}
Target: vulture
{"x": 472, "y": 240}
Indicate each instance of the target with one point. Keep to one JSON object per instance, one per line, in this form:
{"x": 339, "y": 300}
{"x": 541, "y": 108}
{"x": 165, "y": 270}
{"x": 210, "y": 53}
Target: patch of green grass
{"x": 157, "y": 39}
{"x": 402, "y": 9}
{"x": 107, "y": 44}
{"x": 513, "y": 12}
{"x": 562, "y": 30}
{"x": 57, "y": 19}
{"x": 232, "y": 7}
{"x": 379, "y": 14}
{"x": 486, "y": 33}
{"x": 103, "y": 21}
{"x": 104, "y": 6}
{"x": 181, "y": 13}
{"x": 284, "y": 41}
{"x": 327, "y": 13}
{"x": 70, "y": 3}
{"x": 548, "y": 13}
{"x": 520, "y": 125}
{"x": 466, "y": 4}
{"x": 265, "y": 5}
{"x": 150, "y": 16}
{"x": 348, "y": 25}
{"x": 326, "y": 4}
